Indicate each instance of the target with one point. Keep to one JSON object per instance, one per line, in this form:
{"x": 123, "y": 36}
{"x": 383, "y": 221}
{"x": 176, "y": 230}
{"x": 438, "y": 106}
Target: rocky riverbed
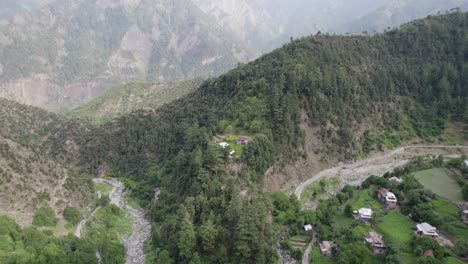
{"x": 141, "y": 226}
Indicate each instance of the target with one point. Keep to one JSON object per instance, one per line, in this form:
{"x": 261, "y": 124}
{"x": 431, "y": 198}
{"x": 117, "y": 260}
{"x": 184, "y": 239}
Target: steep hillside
{"x": 71, "y": 142}
{"x": 71, "y": 51}
{"x": 397, "y": 12}
{"x": 130, "y": 97}
{"x": 30, "y": 180}
{"x": 336, "y": 97}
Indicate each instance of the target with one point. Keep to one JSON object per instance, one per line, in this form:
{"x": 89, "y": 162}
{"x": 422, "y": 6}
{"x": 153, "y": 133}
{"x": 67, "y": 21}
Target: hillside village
{"x": 390, "y": 217}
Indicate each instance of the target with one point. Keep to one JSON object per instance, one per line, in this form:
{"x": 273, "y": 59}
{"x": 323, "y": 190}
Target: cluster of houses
{"x": 376, "y": 241}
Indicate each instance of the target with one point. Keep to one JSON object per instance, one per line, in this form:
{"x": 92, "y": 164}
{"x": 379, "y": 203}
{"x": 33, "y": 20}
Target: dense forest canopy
{"x": 357, "y": 93}
{"x": 409, "y": 82}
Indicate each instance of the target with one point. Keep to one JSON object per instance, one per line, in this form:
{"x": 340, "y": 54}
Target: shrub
{"x": 72, "y": 215}
{"x": 44, "y": 216}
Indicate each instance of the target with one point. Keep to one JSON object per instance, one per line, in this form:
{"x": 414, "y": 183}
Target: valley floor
{"x": 354, "y": 174}
{"x": 141, "y": 226}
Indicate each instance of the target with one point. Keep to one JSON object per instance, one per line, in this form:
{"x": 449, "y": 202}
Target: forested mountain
{"x": 397, "y": 12}
{"x": 334, "y": 96}
{"x": 71, "y": 51}
{"x": 338, "y": 97}
{"x": 123, "y": 99}
{"x": 9, "y": 8}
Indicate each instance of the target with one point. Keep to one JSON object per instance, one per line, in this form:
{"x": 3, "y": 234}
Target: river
{"x": 141, "y": 226}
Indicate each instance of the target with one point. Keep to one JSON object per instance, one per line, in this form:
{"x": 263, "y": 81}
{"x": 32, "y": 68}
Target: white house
{"x": 387, "y": 198}
{"x": 224, "y": 145}
{"x": 308, "y": 228}
{"x": 425, "y": 229}
{"x": 364, "y": 214}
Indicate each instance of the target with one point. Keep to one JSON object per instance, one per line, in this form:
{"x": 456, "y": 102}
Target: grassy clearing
{"x": 341, "y": 221}
{"x": 445, "y": 209}
{"x": 457, "y": 230}
{"x": 365, "y": 200}
{"x": 409, "y": 259}
{"x": 317, "y": 258}
{"x": 104, "y": 188}
{"x": 398, "y": 228}
{"x": 452, "y": 260}
{"x": 439, "y": 182}
{"x": 360, "y": 230}
{"x": 114, "y": 220}
{"x": 232, "y": 140}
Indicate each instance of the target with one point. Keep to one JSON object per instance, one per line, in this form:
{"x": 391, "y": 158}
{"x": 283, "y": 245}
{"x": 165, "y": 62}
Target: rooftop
{"x": 325, "y": 245}
{"x": 391, "y": 197}
{"x": 427, "y": 229}
{"x": 365, "y": 212}
{"x": 374, "y": 239}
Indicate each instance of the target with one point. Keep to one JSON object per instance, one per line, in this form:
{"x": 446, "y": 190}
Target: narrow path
{"x": 363, "y": 168}
{"x": 79, "y": 227}
{"x": 306, "y": 256}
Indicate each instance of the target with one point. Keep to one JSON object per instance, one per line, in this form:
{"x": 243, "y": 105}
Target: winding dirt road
{"x": 356, "y": 173}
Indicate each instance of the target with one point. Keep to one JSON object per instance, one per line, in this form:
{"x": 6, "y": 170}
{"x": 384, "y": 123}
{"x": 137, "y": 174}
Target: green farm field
{"x": 398, "y": 227}
{"x": 439, "y": 182}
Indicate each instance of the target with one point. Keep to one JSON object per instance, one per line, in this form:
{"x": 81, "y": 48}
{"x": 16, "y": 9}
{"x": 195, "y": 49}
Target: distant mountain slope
{"x": 71, "y": 51}
{"x": 397, "y": 12}
{"x": 29, "y": 180}
{"x": 9, "y": 8}
{"x": 57, "y": 137}
{"x": 124, "y": 99}
{"x": 267, "y": 24}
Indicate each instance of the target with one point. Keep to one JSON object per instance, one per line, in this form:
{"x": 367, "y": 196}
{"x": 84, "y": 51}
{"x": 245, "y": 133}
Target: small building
{"x": 243, "y": 140}
{"x": 308, "y": 228}
{"x": 364, "y": 214}
{"x": 232, "y": 152}
{"x": 425, "y": 229}
{"x": 388, "y": 198}
{"x": 224, "y": 145}
{"x": 396, "y": 179}
{"x": 326, "y": 248}
{"x": 156, "y": 193}
{"x": 376, "y": 242}
{"x": 466, "y": 163}
{"x": 465, "y": 216}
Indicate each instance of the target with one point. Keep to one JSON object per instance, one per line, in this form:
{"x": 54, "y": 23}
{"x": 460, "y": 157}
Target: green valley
{"x": 323, "y": 107}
